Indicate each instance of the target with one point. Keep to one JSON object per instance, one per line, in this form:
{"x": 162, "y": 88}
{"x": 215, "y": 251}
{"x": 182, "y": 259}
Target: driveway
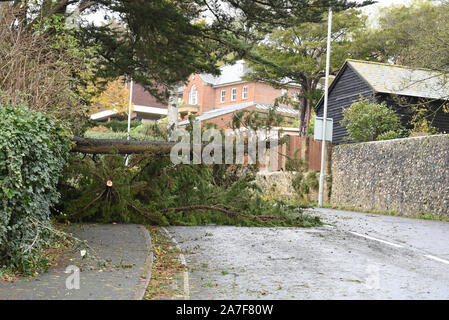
{"x": 353, "y": 256}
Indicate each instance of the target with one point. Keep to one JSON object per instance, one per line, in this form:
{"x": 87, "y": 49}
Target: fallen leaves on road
{"x": 166, "y": 268}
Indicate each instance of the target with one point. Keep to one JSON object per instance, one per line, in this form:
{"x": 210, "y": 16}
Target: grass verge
{"x": 166, "y": 269}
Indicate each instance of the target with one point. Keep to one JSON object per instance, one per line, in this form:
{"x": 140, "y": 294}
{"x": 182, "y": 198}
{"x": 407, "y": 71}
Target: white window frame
{"x": 193, "y": 96}
{"x": 245, "y": 92}
{"x": 296, "y": 96}
{"x": 222, "y": 96}
{"x": 284, "y": 92}
{"x": 233, "y": 94}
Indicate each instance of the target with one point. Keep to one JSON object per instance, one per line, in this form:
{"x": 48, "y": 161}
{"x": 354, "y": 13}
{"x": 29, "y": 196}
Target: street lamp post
{"x": 128, "y": 136}
{"x": 130, "y": 109}
{"x": 326, "y": 93}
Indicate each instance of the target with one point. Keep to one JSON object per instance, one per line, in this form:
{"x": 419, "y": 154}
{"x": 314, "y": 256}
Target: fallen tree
{"x": 106, "y": 146}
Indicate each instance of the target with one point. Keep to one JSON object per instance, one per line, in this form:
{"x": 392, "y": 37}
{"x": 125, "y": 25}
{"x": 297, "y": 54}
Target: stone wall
{"x": 409, "y": 176}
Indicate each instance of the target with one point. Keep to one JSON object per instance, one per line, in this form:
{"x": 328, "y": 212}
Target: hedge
{"x": 33, "y": 150}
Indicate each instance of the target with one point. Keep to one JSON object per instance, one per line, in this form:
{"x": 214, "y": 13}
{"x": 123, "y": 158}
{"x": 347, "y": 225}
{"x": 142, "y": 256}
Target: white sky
{"x": 371, "y": 10}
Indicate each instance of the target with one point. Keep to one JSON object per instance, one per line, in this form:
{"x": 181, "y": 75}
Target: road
{"x": 353, "y": 256}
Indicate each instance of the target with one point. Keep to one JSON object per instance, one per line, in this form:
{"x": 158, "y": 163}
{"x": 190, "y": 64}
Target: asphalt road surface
{"x": 353, "y": 256}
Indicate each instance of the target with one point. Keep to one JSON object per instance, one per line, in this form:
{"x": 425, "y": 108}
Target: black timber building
{"x": 397, "y": 86}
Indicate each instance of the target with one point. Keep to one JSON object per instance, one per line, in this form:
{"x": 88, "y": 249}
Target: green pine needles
{"x": 153, "y": 190}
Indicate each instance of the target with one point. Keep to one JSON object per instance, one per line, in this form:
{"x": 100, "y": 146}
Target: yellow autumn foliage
{"x": 114, "y": 97}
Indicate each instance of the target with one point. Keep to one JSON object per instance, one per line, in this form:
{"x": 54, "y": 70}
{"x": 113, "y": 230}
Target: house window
{"x": 284, "y": 92}
{"x": 244, "y": 92}
{"x": 233, "y": 94}
{"x": 193, "y": 95}
{"x": 296, "y": 96}
{"x": 222, "y": 96}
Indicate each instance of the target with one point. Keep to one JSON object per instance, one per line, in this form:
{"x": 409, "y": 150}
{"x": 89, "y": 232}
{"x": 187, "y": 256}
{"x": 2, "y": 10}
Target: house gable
{"x": 347, "y": 87}
{"x": 374, "y": 81}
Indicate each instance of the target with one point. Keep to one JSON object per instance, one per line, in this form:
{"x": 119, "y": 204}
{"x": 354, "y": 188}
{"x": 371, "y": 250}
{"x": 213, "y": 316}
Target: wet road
{"x": 354, "y": 256}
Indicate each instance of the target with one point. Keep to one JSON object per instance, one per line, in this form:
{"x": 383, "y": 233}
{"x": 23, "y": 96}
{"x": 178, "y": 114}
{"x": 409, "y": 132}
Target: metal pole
{"x": 128, "y": 137}
{"x": 326, "y": 92}
{"x": 130, "y": 108}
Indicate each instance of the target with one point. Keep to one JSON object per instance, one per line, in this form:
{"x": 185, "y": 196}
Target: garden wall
{"x": 409, "y": 176}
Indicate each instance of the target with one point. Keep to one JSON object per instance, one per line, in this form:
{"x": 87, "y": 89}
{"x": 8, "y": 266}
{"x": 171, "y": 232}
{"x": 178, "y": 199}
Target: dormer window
{"x": 193, "y": 96}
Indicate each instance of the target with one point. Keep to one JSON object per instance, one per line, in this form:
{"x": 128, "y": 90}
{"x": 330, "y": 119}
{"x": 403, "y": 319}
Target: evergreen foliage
{"x": 160, "y": 193}
{"x": 33, "y": 149}
{"x": 296, "y": 56}
{"x": 367, "y": 121}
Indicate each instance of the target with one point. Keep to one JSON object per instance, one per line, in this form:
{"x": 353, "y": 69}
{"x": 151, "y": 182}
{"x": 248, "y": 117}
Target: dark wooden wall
{"x": 402, "y": 105}
{"x": 347, "y": 88}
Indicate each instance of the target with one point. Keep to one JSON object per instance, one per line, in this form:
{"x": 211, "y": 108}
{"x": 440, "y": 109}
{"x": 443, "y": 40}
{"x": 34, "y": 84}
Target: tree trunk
{"x": 172, "y": 112}
{"x": 307, "y": 116}
{"x": 105, "y": 146}
{"x": 302, "y": 118}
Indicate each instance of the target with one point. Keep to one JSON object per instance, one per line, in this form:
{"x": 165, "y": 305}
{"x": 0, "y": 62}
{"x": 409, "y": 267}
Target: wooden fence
{"x": 305, "y": 148}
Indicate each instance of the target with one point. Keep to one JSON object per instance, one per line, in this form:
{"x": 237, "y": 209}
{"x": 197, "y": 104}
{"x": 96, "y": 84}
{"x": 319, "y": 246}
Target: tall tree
{"x": 415, "y": 35}
{"x": 297, "y": 55}
{"x": 166, "y": 40}
{"x": 114, "y": 97}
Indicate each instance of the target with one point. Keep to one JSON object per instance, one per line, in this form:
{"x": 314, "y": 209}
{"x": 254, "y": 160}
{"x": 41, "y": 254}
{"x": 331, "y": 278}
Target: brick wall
{"x": 206, "y": 94}
{"x": 239, "y": 88}
{"x": 224, "y": 121}
{"x": 209, "y": 97}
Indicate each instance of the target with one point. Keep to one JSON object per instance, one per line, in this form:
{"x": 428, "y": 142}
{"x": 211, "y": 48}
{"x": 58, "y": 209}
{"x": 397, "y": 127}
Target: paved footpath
{"x": 354, "y": 256}
{"x": 126, "y": 252}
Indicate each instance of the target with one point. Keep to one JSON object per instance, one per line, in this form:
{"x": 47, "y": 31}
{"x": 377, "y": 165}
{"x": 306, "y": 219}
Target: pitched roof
{"x": 396, "y": 79}
{"x": 229, "y": 74}
{"x": 401, "y": 80}
{"x": 236, "y": 107}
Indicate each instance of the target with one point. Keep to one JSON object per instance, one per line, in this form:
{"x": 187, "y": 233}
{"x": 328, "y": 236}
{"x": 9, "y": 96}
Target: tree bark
{"x": 172, "y": 112}
{"x": 302, "y": 118}
{"x": 105, "y": 146}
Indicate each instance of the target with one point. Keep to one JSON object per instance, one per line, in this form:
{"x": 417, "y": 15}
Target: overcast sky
{"x": 371, "y": 10}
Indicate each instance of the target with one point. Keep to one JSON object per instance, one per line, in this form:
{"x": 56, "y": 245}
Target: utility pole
{"x": 130, "y": 109}
{"x": 326, "y": 93}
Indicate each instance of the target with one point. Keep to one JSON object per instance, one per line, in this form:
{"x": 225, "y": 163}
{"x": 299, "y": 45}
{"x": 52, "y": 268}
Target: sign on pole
{"x": 318, "y": 130}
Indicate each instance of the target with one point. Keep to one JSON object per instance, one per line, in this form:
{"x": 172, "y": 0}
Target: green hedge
{"x": 116, "y": 135}
{"x": 33, "y": 149}
{"x": 118, "y": 125}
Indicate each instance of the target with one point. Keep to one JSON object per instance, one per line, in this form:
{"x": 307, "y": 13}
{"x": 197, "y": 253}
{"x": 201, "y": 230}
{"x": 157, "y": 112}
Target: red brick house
{"x": 214, "y": 99}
